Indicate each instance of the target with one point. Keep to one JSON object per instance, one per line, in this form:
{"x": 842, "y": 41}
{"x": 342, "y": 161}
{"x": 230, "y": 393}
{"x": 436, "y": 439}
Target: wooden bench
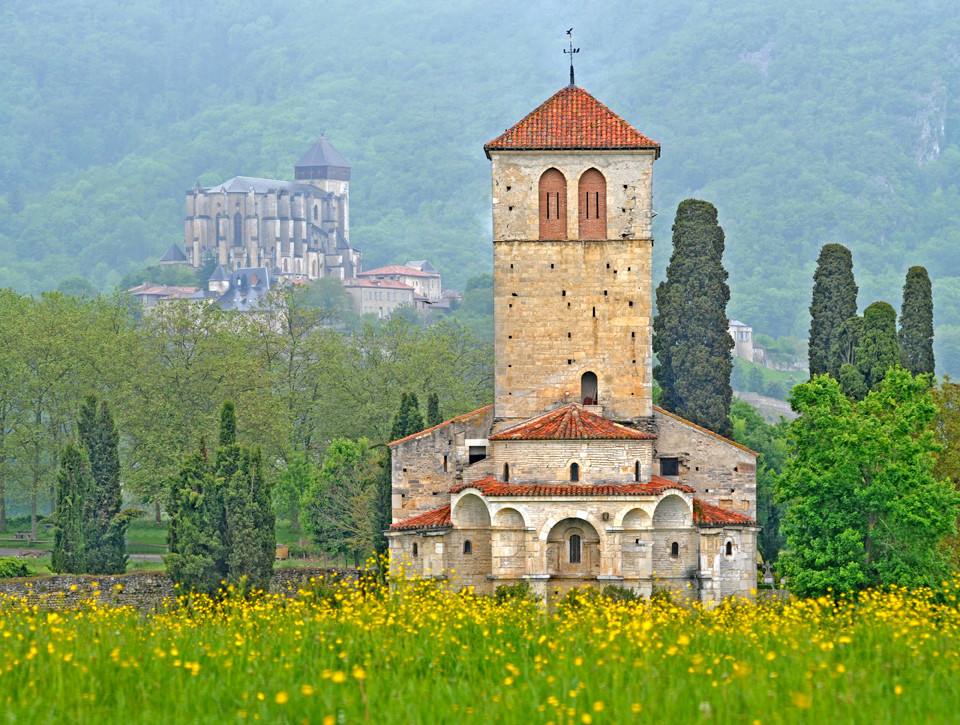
{"x": 23, "y": 536}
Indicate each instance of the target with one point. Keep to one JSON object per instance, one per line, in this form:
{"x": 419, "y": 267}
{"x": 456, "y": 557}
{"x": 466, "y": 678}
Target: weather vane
{"x": 571, "y": 53}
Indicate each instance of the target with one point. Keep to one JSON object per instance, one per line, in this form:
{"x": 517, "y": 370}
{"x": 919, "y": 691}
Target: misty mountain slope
{"x": 803, "y": 124}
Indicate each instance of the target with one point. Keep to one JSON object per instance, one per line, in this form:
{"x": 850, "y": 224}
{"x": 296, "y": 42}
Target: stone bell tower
{"x": 572, "y": 196}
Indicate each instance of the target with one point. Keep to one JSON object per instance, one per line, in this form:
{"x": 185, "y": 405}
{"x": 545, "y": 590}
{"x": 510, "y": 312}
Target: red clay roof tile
{"x": 490, "y": 486}
{"x": 398, "y": 269}
{"x": 570, "y": 423}
{"x": 706, "y": 514}
{"x": 571, "y": 119}
{"x": 436, "y": 519}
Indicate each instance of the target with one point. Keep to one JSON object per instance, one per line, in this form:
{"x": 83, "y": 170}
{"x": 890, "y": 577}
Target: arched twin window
{"x": 592, "y": 202}
{"x": 574, "y": 472}
{"x": 575, "y": 548}
{"x": 553, "y": 205}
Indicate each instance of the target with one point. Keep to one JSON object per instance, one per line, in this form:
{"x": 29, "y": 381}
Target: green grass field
{"x": 419, "y": 654}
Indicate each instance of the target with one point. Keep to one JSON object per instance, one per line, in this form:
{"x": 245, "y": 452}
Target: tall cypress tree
{"x": 73, "y": 494}
{"x": 878, "y": 350}
{"x": 834, "y": 302}
{"x": 690, "y": 335}
{"x": 916, "y": 323}
{"x": 433, "y": 410}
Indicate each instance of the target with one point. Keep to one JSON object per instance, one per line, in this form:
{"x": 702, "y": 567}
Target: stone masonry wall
{"x": 564, "y": 308}
{"x": 427, "y": 465}
{"x": 722, "y": 472}
{"x": 606, "y": 461}
{"x": 141, "y": 590}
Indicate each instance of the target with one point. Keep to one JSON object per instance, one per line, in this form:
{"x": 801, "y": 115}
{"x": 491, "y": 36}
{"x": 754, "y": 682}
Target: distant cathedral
{"x": 295, "y": 229}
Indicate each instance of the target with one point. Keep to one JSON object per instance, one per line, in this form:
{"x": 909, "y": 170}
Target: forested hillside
{"x": 803, "y": 123}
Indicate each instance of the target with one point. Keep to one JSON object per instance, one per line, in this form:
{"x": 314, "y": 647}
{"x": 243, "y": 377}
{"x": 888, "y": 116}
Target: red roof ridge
{"x": 490, "y": 486}
{"x": 435, "y": 519}
{"x": 706, "y": 514}
{"x": 705, "y": 430}
{"x": 459, "y": 418}
{"x": 571, "y": 422}
{"x": 571, "y": 119}
{"x": 399, "y": 269}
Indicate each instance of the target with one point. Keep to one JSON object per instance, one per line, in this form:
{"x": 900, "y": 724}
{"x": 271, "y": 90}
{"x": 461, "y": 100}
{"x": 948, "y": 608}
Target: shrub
{"x": 11, "y": 568}
{"x": 519, "y": 592}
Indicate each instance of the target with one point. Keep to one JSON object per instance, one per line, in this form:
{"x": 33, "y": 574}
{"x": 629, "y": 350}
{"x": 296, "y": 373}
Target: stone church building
{"x": 573, "y": 476}
{"x": 295, "y": 229}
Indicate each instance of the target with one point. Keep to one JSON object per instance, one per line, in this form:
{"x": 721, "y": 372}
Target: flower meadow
{"x": 419, "y": 652}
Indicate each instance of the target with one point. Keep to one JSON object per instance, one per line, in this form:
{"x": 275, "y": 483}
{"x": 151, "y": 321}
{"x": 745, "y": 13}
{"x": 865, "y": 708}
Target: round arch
{"x": 672, "y": 511}
{"x": 470, "y": 512}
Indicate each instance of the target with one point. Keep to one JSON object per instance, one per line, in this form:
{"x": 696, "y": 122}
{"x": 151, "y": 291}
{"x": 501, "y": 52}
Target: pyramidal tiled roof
{"x": 436, "y": 519}
{"x": 322, "y": 153}
{"x": 569, "y": 423}
{"x": 571, "y": 119}
{"x": 490, "y": 486}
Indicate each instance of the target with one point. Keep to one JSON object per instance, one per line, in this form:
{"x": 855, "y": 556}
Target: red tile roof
{"x": 399, "y": 269}
{"x": 571, "y": 119}
{"x": 436, "y": 519}
{"x": 704, "y": 430}
{"x": 490, "y": 486}
{"x": 376, "y": 284}
{"x": 570, "y": 423}
{"x": 162, "y": 290}
{"x": 706, "y": 514}
{"x": 459, "y": 419}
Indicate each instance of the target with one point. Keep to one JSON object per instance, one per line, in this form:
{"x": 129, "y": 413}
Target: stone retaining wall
{"x": 142, "y": 590}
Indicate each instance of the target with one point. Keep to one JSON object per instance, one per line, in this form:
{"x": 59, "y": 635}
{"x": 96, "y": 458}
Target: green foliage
{"x": 690, "y": 337}
{"x": 834, "y": 302}
{"x": 339, "y": 509}
{"x": 11, "y": 568}
{"x": 433, "y": 410}
{"x": 916, "y": 323}
{"x": 843, "y": 350}
{"x": 222, "y": 522}
{"x": 863, "y": 505}
{"x": 408, "y": 419}
{"x": 77, "y": 286}
{"x": 90, "y": 535}
{"x": 515, "y": 593}
{"x": 878, "y": 349}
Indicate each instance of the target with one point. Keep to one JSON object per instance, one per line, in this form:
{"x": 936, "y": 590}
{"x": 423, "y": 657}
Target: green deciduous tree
{"x": 339, "y": 508}
{"x": 690, "y": 330}
{"x": 864, "y": 507}
{"x": 834, "y": 301}
{"x": 916, "y": 323}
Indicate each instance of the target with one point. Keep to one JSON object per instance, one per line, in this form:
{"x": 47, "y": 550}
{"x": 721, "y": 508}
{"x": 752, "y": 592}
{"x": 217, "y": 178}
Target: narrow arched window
{"x": 674, "y": 549}
{"x": 553, "y": 205}
{"x": 316, "y": 213}
{"x": 506, "y": 472}
{"x": 414, "y": 548}
{"x": 237, "y": 230}
{"x": 588, "y": 388}
{"x": 729, "y": 548}
{"x": 574, "y": 472}
{"x": 636, "y": 471}
{"x": 467, "y": 547}
{"x": 575, "y": 548}
{"x": 592, "y": 202}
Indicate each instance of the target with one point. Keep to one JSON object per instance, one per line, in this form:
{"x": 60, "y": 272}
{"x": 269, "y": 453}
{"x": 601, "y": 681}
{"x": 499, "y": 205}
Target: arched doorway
{"x": 573, "y": 550}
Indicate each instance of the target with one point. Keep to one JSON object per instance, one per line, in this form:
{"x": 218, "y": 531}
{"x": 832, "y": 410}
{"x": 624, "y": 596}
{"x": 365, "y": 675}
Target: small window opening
{"x": 669, "y": 466}
{"x": 729, "y": 548}
{"x": 628, "y": 269}
{"x": 510, "y": 208}
{"x": 477, "y": 453}
{"x": 575, "y": 548}
{"x": 506, "y": 472}
{"x": 636, "y": 471}
{"x": 415, "y": 552}
{"x": 551, "y": 266}
{"x": 467, "y": 547}
{"x": 574, "y": 472}
{"x": 511, "y": 266}
{"x": 513, "y": 294}
{"x": 568, "y": 335}
{"x": 509, "y": 187}
{"x": 735, "y": 469}
{"x": 604, "y": 293}
{"x": 563, "y": 293}
{"x": 630, "y": 303}
{"x": 444, "y": 464}
{"x": 674, "y": 549}
{"x": 608, "y": 265}
{"x": 588, "y": 388}
{"x": 594, "y": 311}
{"x": 633, "y": 334}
